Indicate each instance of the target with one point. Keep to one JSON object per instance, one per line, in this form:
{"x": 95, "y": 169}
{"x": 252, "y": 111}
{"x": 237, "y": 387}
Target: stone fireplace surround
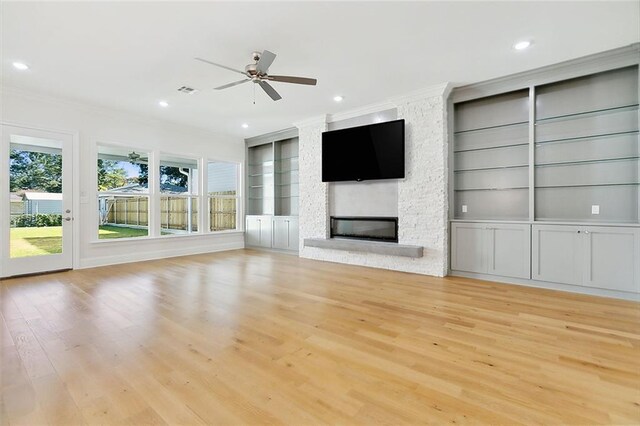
{"x": 422, "y": 198}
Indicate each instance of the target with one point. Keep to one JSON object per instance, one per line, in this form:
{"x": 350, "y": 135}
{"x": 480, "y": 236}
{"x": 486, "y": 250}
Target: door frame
{"x": 75, "y": 190}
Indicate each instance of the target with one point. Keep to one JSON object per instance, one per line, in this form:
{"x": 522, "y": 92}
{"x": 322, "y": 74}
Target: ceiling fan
{"x": 257, "y": 73}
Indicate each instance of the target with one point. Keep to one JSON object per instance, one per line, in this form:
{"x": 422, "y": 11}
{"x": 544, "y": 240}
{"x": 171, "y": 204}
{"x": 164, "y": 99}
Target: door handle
{"x": 67, "y": 219}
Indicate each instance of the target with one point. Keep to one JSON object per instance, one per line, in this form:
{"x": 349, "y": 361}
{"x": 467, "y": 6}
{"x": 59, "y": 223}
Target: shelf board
{"x": 518, "y": 123}
{"x": 287, "y": 171}
{"x": 261, "y": 174}
{"x": 586, "y": 113}
{"x": 287, "y": 184}
{"x": 581, "y": 138}
{"x": 263, "y": 164}
{"x": 492, "y": 147}
{"x": 492, "y": 168}
{"x": 288, "y": 196}
{"x": 493, "y": 189}
{"x": 288, "y": 158}
{"x": 603, "y": 160}
{"x": 588, "y": 185}
{"x": 260, "y": 198}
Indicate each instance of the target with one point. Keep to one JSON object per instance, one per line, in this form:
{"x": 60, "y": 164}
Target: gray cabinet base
{"x": 550, "y": 286}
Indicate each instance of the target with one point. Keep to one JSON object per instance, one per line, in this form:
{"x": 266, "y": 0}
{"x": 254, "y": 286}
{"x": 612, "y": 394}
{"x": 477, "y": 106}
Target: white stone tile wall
{"x": 422, "y": 195}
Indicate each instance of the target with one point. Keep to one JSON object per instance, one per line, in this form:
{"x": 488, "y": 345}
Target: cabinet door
{"x": 253, "y": 230}
{"x": 285, "y": 233}
{"x": 468, "y": 247}
{"x": 265, "y": 231}
{"x": 557, "y": 254}
{"x": 294, "y": 239}
{"x": 612, "y": 258}
{"x": 509, "y": 250}
{"x": 259, "y": 231}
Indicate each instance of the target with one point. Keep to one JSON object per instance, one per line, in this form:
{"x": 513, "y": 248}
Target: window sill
{"x": 167, "y": 237}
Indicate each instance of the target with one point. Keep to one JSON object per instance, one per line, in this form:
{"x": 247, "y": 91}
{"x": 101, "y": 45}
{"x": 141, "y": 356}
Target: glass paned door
{"x": 37, "y": 220}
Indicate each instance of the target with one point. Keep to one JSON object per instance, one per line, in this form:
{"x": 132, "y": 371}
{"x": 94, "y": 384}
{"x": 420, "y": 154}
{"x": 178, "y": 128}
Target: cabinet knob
{"x": 579, "y": 232}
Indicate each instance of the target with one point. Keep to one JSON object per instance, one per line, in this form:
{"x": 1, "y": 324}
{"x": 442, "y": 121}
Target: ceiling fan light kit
{"x": 258, "y": 74}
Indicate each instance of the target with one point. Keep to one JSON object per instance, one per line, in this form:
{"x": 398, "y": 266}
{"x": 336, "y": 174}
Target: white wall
{"x": 93, "y": 125}
{"x": 422, "y": 196}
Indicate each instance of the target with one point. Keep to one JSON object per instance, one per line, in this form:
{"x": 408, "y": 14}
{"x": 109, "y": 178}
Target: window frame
{"x": 188, "y": 195}
{"x": 238, "y": 196}
{"x": 148, "y": 195}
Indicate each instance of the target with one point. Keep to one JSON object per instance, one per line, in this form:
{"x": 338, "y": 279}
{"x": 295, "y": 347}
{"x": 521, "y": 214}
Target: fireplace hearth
{"x": 365, "y": 228}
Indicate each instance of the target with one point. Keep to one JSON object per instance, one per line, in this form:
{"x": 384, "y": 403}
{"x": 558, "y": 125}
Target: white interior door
{"x": 36, "y": 212}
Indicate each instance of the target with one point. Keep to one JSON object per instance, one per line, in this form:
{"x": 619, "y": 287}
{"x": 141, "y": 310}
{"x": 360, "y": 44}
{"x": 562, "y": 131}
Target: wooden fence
{"x": 174, "y": 212}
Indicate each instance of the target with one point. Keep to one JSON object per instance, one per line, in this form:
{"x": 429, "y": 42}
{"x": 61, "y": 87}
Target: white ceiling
{"x": 130, "y": 55}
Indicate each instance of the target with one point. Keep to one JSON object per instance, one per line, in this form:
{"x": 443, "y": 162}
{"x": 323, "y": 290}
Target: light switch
{"x": 595, "y": 209}
{"x": 464, "y": 208}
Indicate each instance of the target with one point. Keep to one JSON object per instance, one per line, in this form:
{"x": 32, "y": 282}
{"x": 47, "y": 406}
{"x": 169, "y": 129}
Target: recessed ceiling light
{"x": 521, "y": 45}
{"x": 20, "y": 66}
{"x": 163, "y": 104}
{"x": 338, "y": 98}
{"x": 245, "y": 126}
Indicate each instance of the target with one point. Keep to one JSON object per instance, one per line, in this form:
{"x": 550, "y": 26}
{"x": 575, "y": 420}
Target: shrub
{"x": 36, "y": 220}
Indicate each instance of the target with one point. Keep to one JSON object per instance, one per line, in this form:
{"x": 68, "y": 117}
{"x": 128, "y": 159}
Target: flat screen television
{"x": 361, "y": 153}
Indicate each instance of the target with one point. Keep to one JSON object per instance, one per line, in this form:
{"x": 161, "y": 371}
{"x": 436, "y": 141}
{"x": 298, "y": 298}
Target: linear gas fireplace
{"x": 365, "y": 228}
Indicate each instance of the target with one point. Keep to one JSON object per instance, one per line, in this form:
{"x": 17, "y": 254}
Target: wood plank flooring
{"x": 250, "y": 337}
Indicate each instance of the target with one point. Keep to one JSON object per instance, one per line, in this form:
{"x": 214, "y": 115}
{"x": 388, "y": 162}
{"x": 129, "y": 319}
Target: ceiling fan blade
{"x": 294, "y": 80}
{"x": 270, "y": 90}
{"x": 221, "y": 66}
{"x": 231, "y": 84}
{"x": 266, "y": 59}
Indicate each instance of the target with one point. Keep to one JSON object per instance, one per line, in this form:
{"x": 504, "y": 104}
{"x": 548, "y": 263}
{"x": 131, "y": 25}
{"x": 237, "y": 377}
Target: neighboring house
{"x": 17, "y": 204}
{"x": 42, "y": 203}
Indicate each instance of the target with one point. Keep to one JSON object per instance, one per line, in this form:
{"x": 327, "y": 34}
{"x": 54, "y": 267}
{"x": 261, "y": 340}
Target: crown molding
{"x": 358, "y": 112}
{"x": 591, "y": 64}
{"x": 318, "y": 120}
{"x": 278, "y": 135}
{"x": 437, "y": 90}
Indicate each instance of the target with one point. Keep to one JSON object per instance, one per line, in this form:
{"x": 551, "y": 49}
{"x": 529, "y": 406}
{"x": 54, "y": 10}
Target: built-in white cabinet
{"x": 278, "y": 232}
{"x": 490, "y": 248}
{"x": 604, "y": 257}
{"x": 258, "y": 231}
{"x": 285, "y": 233}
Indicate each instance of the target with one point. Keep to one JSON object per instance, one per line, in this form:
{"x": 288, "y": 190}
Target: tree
{"x": 110, "y": 175}
{"x": 168, "y": 174}
{"x": 35, "y": 171}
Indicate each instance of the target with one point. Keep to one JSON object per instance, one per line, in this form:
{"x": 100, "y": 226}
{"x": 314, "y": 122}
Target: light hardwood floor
{"x": 249, "y": 337}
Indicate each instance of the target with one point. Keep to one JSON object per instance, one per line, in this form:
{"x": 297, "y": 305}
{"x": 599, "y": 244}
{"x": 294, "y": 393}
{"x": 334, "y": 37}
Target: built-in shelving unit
{"x": 491, "y": 158}
{"x": 586, "y": 148}
{"x": 273, "y": 191}
{"x": 545, "y": 176}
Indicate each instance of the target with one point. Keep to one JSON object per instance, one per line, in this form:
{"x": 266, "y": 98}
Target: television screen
{"x": 360, "y": 153}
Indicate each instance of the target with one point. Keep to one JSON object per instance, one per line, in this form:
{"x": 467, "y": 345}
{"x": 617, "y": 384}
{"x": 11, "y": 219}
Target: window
{"x": 123, "y": 193}
{"x": 222, "y": 194}
{"x": 178, "y": 195}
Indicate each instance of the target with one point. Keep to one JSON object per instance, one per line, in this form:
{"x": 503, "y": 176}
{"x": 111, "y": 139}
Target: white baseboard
{"x": 154, "y": 255}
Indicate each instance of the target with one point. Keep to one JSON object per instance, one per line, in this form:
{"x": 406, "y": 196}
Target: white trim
{"x": 358, "y": 112}
{"x": 437, "y": 90}
{"x": 318, "y": 120}
{"x": 165, "y": 237}
{"x": 160, "y": 254}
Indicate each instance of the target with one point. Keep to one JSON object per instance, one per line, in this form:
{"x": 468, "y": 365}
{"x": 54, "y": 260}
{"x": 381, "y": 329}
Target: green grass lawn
{"x": 36, "y": 241}
{"x": 48, "y": 240}
{"x": 108, "y": 232}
